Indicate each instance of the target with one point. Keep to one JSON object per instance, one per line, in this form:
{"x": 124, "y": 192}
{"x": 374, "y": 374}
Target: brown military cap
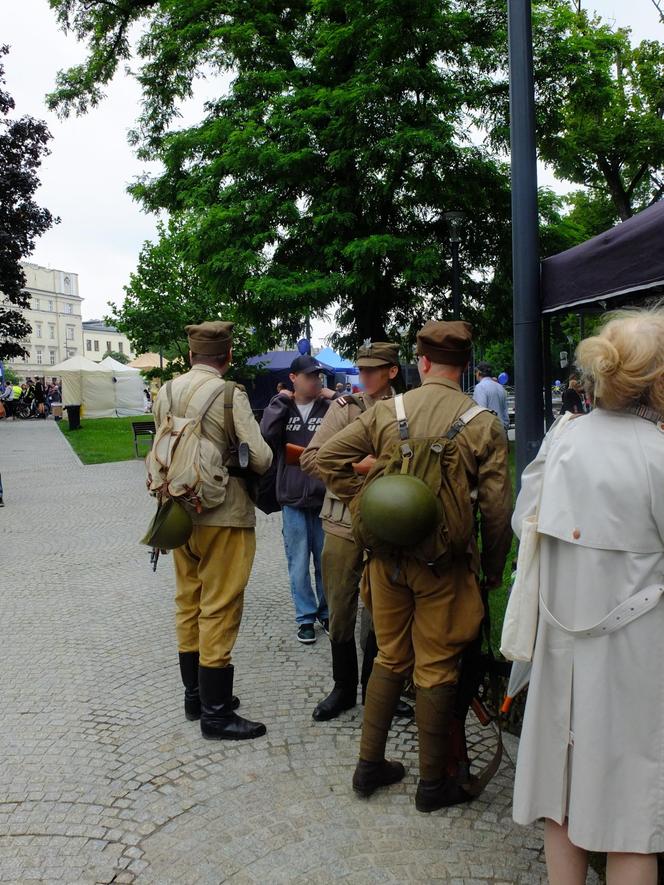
{"x": 377, "y": 353}
{"x": 447, "y": 343}
{"x": 210, "y": 339}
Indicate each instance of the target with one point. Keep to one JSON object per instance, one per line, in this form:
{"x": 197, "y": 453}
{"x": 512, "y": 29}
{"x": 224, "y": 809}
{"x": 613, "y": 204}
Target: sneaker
{"x": 306, "y": 634}
{"x": 325, "y": 624}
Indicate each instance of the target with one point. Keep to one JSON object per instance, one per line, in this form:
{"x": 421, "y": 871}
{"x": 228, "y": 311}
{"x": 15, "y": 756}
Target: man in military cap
{"x": 378, "y": 363}
{"x": 425, "y": 616}
{"x": 212, "y": 569}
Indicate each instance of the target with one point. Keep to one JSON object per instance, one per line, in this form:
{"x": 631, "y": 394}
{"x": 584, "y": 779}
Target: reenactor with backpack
{"x": 430, "y": 453}
{"x": 342, "y": 558}
{"x": 204, "y": 424}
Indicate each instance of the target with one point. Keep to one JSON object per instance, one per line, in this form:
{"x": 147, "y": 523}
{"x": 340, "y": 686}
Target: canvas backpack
{"x": 437, "y": 462}
{"x": 183, "y": 463}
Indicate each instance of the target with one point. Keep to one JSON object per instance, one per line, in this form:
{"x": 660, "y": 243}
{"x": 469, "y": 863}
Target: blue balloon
{"x": 303, "y": 346}
{"x": 503, "y": 378}
{"x": 557, "y": 383}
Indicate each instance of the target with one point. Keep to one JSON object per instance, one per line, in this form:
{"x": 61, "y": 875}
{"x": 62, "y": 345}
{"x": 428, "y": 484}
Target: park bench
{"x": 142, "y": 429}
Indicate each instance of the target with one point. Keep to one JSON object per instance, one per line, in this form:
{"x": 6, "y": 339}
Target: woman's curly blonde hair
{"x": 623, "y": 365}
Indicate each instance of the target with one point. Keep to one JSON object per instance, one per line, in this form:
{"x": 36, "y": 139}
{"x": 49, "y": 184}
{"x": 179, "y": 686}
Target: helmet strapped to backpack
{"x": 417, "y": 498}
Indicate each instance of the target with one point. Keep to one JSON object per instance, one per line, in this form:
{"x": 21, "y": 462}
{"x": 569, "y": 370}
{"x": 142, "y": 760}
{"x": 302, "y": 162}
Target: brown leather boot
{"x": 373, "y": 770}
{"x": 434, "y": 709}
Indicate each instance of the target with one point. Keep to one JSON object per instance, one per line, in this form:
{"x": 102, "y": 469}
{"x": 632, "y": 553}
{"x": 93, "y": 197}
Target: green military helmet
{"x": 399, "y": 509}
{"x": 171, "y": 527}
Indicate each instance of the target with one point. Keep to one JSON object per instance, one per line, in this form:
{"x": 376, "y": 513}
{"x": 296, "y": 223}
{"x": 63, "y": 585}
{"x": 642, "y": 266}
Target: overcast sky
{"x": 84, "y": 179}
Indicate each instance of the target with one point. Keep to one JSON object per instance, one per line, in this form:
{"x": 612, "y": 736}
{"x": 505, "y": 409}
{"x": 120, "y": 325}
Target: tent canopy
{"x": 103, "y": 391}
{"x": 330, "y": 358}
{"x": 274, "y": 360}
{"x": 627, "y": 259}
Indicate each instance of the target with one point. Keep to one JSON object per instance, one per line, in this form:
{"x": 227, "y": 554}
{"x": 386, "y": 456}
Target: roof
{"x": 97, "y": 326}
{"x": 625, "y": 261}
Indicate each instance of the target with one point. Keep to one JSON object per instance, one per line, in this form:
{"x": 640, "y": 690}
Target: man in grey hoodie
{"x": 292, "y": 418}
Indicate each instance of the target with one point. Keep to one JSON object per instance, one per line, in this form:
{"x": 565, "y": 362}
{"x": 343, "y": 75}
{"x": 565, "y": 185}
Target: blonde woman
{"x": 591, "y": 759}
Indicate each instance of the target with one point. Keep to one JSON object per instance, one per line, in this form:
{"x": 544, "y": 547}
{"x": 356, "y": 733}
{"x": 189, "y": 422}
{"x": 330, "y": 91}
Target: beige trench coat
{"x": 592, "y": 746}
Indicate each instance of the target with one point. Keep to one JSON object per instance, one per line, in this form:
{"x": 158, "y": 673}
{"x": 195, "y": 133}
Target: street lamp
{"x": 455, "y": 221}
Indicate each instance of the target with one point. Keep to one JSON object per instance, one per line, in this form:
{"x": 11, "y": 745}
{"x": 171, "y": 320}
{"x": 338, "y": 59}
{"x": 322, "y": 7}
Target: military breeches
{"x": 211, "y": 572}
{"x": 423, "y": 621}
{"x": 342, "y": 571}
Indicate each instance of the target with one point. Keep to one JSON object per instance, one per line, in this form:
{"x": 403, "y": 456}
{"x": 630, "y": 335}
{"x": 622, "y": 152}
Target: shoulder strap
{"x": 208, "y": 402}
{"x": 402, "y": 421}
{"x": 463, "y": 420}
{"x": 229, "y": 418}
{"x": 169, "y": 401}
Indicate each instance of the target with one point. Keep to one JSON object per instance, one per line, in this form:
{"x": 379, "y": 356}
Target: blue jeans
{"x": 303, "y": 538}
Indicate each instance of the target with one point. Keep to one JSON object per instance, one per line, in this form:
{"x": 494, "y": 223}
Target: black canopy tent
{"x": 615, "y": 266}
{"x": 621, "y": 265}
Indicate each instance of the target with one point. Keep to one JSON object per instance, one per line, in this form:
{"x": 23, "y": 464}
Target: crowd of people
{"x": 33, "y": 398}
{"x": 591, "y": 761}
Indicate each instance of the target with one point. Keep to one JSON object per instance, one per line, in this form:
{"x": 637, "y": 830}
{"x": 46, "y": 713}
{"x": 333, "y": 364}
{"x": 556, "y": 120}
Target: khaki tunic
{"x": 342, "y": 412}
{"x": 431, "y": 410}
{"x": 188, "y": 395}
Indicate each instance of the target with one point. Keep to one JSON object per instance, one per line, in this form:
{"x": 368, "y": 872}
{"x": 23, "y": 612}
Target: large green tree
{"x": 165, "y": 293}
{"x": 23, "y": 145}
{"x": 319, "y": 175}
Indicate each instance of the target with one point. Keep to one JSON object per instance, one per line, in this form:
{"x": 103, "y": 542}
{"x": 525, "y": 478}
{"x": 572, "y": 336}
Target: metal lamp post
{"x": 455, "y": 221}
{"x": 528, "y": 374}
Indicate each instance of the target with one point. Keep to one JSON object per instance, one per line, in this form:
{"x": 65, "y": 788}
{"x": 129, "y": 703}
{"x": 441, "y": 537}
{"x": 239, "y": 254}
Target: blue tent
{"x": 337, "y": 363}
{"x": 274, "y": 360}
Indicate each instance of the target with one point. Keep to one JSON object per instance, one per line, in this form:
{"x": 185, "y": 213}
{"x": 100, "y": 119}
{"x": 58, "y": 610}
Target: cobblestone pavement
{"x": 102, "y": 779}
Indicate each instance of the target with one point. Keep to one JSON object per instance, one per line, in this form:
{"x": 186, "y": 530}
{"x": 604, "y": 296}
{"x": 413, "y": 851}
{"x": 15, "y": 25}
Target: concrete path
{"x": 102, "y": 780}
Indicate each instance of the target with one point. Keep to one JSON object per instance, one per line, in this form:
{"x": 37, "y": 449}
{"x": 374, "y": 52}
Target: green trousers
{"x": 342, "y": 571}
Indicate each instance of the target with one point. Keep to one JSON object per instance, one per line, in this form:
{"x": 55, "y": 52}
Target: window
{"x": 88, "y": 344}
{"x": 51, "y": 331}
{"x": 69, "y": 307}
{"x": 50, "y": 306}
{"x": 36, "y": 304}
{"x": 97, "y": 346}
{"x": 40, "y": 355}
{"x": 52, "y": 357}
{"x": 109, "y": 347}
{"x": 70, "y": 333}
{"x": 120, "y": 347}
{"x": 38, "y": 330}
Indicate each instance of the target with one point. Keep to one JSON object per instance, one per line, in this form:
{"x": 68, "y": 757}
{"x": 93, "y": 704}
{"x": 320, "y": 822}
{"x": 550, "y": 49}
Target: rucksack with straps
{"x": 437, "y": 462}
{"x": 183, "y": 463}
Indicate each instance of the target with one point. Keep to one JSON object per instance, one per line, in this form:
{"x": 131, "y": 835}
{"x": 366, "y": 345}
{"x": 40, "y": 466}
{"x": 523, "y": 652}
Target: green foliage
{"x": 23, "y": 144}
{"x": 165, "y": 294}
{"x": 319, "y": 176}
{"x": 118, "y": 356}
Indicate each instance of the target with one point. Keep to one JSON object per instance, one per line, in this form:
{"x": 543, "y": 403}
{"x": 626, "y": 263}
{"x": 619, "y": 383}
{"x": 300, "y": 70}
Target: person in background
{"x": 572, "y": 399}
{"x": 281, "y": 386}
{"x": 292, "y": 417}
{"x": 18, "y": 391}
{"x": 40, "y": 398}
{"x": 339, "y": 388}
{"x": 7, "y": 398}
{"x": 591, "y": 755}
{"x": 490, "y": 394}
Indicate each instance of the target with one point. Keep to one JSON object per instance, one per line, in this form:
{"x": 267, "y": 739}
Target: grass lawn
{"x": 104, "y": 439}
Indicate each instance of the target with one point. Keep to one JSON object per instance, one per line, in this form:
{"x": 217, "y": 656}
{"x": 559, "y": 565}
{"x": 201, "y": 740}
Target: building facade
{"x": 55, "y": 317}
{"x": 100, "y": 339}
{"x": 58, "y": 330}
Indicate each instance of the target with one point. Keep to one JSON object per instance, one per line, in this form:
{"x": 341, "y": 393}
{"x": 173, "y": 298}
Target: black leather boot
{"x": 344, "y": 671}
{"x": 219, "y": 722}
{"x": 403, "y": 710}
{"x": 369, "y": 776}
{"x": 189, "y": 674}
{"x": 434, "y": 709}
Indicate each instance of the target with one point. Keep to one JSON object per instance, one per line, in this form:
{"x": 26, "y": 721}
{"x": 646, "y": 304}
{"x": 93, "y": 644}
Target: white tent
{"x": 96, "y": 387}
{"x": 128, "y": 387}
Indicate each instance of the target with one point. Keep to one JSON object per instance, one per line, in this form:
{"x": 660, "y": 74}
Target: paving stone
{"x": 102, "y": 778}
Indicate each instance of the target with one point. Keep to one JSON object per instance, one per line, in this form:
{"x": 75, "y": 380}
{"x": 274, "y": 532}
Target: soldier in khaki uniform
{"x": 425, "y": 617}
{"x": 342, "y": 558}
{"x": 212, "y": 569}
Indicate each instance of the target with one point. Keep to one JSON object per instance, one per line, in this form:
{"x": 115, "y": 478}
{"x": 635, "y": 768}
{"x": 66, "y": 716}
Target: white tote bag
{"x": 517, "y": 641}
